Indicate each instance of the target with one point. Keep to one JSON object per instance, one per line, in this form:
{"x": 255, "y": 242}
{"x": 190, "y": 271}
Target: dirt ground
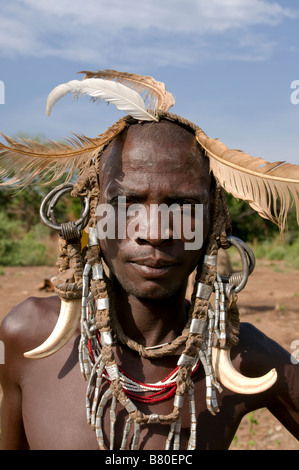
{"x": 270, "y": 301}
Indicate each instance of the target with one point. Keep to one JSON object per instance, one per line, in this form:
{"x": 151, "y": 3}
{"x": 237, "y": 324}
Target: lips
{"x": 155, "y": 262}
{"x": 154, "y": 267}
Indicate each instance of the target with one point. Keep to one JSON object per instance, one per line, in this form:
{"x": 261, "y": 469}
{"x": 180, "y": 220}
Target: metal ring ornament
{"x": 237, "y": 281}
{"x": 48, "y": 216}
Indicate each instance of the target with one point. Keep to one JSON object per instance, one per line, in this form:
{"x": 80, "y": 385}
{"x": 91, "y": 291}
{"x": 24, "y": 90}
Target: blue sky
{"x": 229, "y": 65}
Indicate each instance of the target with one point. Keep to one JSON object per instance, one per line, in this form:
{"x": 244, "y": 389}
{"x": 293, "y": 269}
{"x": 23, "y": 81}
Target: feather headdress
{"x": 22, "y": 161}
{"x": 270, "y": 188}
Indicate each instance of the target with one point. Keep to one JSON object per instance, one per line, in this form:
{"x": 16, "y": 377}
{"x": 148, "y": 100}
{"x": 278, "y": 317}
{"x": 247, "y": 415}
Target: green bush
{"x": 18, "y": 247}
{"x": 278, "y": 249}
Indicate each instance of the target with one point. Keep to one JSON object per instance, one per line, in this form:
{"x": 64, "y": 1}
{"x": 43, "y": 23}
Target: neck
{"x": 150, "y": 322}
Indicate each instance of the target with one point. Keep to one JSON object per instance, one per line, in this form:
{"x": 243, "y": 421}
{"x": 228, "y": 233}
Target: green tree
{"x": 247, "y": 224}
{"x": 250, "y": 226}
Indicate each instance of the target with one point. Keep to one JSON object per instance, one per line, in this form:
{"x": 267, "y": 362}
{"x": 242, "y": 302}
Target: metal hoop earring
{"x": 237, "y": 281}
{"x": 68, "y": 230}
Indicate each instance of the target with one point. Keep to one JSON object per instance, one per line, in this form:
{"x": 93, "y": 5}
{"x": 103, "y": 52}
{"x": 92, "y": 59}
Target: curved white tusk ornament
{"x": 236, "y": 382}
{"x": 67, "y": 323}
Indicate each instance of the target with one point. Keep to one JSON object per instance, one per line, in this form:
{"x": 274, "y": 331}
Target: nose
{"x": 154, "y": 241}
{"x": 155, "y": 227}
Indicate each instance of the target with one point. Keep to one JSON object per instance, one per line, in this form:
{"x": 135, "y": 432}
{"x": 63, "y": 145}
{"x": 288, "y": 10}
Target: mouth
{"x": 154, "y": 267}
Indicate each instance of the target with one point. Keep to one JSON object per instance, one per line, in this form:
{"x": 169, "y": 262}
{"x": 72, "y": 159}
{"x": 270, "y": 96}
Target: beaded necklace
{"x": 95, "y": 368}
{"x": 162, "y": 390}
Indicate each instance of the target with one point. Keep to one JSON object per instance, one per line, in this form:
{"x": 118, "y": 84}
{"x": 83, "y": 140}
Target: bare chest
{"x": 54, "y": 411}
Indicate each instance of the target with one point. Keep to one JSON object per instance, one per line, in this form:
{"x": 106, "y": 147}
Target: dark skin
{"x": 44, "y": 400}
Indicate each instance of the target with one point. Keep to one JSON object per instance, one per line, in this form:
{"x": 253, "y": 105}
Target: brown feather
{"x": 24, "y": 160}
{"x": 146, "y": 86}
{"x": 260, "y": 183}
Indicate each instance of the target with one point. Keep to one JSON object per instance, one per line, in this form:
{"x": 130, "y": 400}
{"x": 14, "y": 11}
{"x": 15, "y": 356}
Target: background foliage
{"x": 23, "y": 237}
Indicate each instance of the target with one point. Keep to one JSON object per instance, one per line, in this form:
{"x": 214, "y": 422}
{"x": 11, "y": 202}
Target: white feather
{"x": 124, "y": 98}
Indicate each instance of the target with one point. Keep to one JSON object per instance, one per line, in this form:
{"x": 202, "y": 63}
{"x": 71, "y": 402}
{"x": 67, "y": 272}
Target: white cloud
{"x": 183, "y": 16}
{"x": 153, "y": 31}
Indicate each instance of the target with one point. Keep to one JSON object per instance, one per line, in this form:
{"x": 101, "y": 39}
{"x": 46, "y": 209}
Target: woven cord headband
{"x": 254, "y": 180}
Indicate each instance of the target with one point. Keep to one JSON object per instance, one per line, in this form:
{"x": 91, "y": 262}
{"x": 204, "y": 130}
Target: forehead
{"x": 152, "y": 153}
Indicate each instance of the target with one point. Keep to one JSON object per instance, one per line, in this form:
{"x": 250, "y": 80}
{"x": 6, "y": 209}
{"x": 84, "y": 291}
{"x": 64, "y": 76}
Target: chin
{"x": 150, "y": 291}
{"x": 157, "y": 294}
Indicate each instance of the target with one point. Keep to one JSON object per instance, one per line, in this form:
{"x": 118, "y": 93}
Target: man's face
{"x": 154, "y": 164}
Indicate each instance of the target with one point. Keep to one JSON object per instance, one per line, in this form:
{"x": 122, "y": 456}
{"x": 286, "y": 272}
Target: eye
{"x": 187, "y": 203}
{"x": 132, "y": 200}
{"x": 113, "y": 202}
{"x": 123, "y": 201}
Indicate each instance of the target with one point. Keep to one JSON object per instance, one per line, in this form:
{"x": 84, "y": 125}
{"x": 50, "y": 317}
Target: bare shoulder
{"x": 256, "y": 348}
{"x": 253, "y": 340}
{"x": 29, "y": 322}
{"x": 255, "y": 355}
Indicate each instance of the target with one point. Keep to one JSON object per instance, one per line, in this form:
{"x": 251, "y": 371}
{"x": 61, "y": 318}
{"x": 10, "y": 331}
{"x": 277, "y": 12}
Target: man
{"x": 43, "y": 406}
